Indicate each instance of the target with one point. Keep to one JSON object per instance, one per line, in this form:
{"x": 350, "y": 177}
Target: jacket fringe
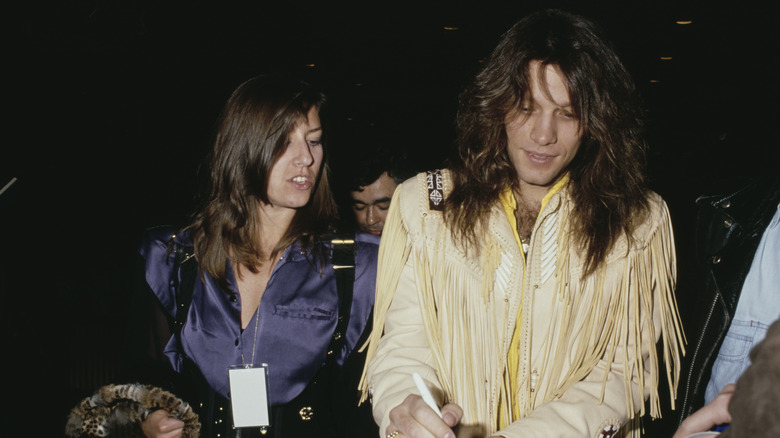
{"x": 393, "y": 246}
{"x": 594, "y": 321}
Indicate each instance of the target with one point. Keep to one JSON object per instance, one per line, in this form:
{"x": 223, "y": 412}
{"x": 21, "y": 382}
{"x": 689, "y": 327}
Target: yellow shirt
{"x": 509, "y": 204}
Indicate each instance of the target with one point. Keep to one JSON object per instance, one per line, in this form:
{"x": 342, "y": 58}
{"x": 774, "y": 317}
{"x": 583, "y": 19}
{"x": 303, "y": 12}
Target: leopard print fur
{"x": 117, "y": 411}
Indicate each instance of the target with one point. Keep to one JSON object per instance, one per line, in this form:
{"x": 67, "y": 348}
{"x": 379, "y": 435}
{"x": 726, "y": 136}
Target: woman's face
{"x": 293, "y": 176}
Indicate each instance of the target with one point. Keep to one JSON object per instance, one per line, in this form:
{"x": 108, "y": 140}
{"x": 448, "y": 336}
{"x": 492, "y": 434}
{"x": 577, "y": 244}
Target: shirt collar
{"x": 509, "y": 203}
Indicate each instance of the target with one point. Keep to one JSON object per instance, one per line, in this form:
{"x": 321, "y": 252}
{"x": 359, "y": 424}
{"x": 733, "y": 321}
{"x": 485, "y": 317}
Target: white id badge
{"x": 249, "y": 395}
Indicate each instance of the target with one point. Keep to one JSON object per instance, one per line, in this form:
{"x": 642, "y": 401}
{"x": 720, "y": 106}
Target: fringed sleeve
{"x": 398, "y": 321}
{"x": 394, "y": 246}
{"x": 405, "y": 337}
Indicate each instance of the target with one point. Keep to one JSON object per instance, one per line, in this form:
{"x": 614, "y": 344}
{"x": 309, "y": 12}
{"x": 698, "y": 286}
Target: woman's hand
{"x": 160, "y": 424}
{"x": 712, "y": 414}
{"x": 415, "y": 419}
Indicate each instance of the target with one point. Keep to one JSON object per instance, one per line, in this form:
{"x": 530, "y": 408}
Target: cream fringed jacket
{"x": 587, "y": 349}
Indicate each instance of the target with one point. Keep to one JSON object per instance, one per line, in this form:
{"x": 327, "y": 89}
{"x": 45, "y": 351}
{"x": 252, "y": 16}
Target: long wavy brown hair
{"x": 607, "y": 177}
{"x": 252, "y": 135}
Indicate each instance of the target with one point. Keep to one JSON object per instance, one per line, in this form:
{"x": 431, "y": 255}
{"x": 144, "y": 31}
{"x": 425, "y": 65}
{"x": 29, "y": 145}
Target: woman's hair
{"x": 607, "y": 177}
{"x": 252, "y": 135}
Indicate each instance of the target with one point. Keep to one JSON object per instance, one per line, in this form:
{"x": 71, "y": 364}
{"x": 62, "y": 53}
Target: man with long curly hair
{"x": 529, "y": 283}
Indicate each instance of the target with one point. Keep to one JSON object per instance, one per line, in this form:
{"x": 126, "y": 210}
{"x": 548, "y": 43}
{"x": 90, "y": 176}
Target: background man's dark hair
{"x": 363, "y": 159}
{"x": 373, "y": 161}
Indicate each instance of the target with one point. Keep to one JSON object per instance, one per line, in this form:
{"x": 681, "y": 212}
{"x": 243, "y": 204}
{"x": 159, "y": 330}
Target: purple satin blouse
{"x": 294, "y": 323}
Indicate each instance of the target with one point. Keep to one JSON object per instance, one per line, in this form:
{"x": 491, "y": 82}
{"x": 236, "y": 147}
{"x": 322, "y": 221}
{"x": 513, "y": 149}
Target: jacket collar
{"x": 504, "y": 231}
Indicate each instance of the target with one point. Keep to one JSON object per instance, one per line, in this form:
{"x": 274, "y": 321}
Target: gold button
{"x": 715, "y": 260}
{"x": 726, "y": 204}
{"x": 306, "y": 413}
{"x": 727, "y": 223}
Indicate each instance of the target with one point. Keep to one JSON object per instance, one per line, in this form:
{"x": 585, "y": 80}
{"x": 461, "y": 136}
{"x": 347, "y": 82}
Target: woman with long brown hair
{"x": 256, "y": 287}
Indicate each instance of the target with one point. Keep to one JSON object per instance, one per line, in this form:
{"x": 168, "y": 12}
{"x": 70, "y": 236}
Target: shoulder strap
{"x": 435, "y": 190}
{"x": 343, "y": 261}
{"x": 183, "y": 282}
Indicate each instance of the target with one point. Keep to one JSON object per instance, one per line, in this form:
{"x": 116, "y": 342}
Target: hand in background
{"x": 712, "y": 414}
{"x": 160, "y": 424}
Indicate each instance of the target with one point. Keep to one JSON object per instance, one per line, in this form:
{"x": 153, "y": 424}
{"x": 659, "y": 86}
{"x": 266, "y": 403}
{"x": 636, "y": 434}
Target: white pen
{"x": 425, "y": 393}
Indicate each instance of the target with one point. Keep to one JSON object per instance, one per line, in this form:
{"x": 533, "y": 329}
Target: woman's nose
{"x": 303, "y": 155}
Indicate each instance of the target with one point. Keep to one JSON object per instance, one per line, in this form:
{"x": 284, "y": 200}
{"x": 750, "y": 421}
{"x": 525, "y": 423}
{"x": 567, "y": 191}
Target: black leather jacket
{"x": 728, "y": 231}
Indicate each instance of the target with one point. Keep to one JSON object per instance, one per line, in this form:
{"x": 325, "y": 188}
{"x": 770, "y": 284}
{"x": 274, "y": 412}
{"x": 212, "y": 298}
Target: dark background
{"x": 111, "y": 106}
